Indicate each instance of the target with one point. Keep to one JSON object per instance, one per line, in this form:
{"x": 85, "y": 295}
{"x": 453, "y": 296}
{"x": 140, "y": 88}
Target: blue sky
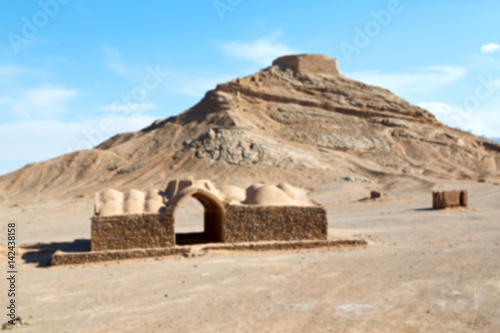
{"x": 75, "y": 72}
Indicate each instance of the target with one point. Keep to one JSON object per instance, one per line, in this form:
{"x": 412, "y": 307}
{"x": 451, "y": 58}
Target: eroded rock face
{"x": 297, "y": 114}
{"x": 241, "y": 146}
{"x": 229, "y": 146}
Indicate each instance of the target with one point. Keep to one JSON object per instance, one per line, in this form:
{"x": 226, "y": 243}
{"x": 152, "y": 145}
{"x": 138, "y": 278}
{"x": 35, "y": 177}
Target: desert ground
{"x": 423, "y": 271}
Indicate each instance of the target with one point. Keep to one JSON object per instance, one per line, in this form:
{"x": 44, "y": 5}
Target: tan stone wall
{"x": 240, "y": 224}
{"x": 449, "y": 199}
{"x": 132, "y": 231}
{"x": 62, "y": 258}
{"x": 309, "y": 63}
{"x": 265, "y": 223}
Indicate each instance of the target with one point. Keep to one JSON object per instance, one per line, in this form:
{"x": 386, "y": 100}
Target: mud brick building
{"x": 449, "y": 199}
{"x": 136, "y": 219}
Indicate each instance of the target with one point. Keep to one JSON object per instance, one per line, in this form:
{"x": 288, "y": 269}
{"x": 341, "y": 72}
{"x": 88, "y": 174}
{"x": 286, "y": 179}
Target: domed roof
{"x": 268, "y": 195}
{"x": 233, "y": 193}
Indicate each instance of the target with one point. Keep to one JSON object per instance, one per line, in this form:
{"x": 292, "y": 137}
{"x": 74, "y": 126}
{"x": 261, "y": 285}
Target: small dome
{"x": 108, "y": 203}
{"x": 233, "y": 193}
{"x": 297, "y": 194}
{"x": 267, "y": 195}
{"x": 133, "y": 202}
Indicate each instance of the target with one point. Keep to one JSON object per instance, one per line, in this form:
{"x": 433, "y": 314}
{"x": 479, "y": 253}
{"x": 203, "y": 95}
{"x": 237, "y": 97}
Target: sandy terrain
{"x": 426, "y": 271}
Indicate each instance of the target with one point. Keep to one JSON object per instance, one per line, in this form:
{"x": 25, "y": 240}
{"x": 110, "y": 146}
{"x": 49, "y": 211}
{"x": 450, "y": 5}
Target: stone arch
{"x": 214, "y": 215}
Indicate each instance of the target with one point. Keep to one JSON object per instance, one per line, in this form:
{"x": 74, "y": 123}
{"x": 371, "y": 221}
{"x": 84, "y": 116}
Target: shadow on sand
{"x": 42, "y": 253}
{"x": 425, "y": 209}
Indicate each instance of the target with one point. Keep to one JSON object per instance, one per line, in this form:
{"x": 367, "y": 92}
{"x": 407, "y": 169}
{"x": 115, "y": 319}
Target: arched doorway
{"x": 213, "y": 219}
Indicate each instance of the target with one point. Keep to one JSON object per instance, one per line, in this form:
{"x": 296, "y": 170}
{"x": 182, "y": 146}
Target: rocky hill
{"x": 298, "y": 120}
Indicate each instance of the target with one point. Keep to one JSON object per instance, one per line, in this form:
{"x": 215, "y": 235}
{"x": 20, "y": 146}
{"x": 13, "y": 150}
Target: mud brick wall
{"x": 61, "y": 258}
{"x": 266, "y": 223}
{"x": 449, "y": 199}
{"x": 309, "y": 63}
{"x": 132, "y": 231}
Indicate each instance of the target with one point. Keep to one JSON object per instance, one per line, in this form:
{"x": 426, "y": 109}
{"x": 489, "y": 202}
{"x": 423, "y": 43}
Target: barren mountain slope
{"x": 297, "y": 115}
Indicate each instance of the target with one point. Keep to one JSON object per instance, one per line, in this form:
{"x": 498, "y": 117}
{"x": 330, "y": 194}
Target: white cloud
{"x": 114, "y": 61}
{"x": 420, "y": 80}
{"x": 490, "y": 48}
{"x": 38, "y": 140}
{"x": 262, "y": 51}
{"x": 130, "y": 107}
{"x": 10, "y": 72}
{"x": 42, "y": 102}
{"x": 479, "y": 122}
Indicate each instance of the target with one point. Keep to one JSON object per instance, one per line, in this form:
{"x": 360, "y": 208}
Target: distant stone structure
{"x": 309, "y": 63}
{"x": 449, "y": 199}
{"x": 136, "y": 219}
